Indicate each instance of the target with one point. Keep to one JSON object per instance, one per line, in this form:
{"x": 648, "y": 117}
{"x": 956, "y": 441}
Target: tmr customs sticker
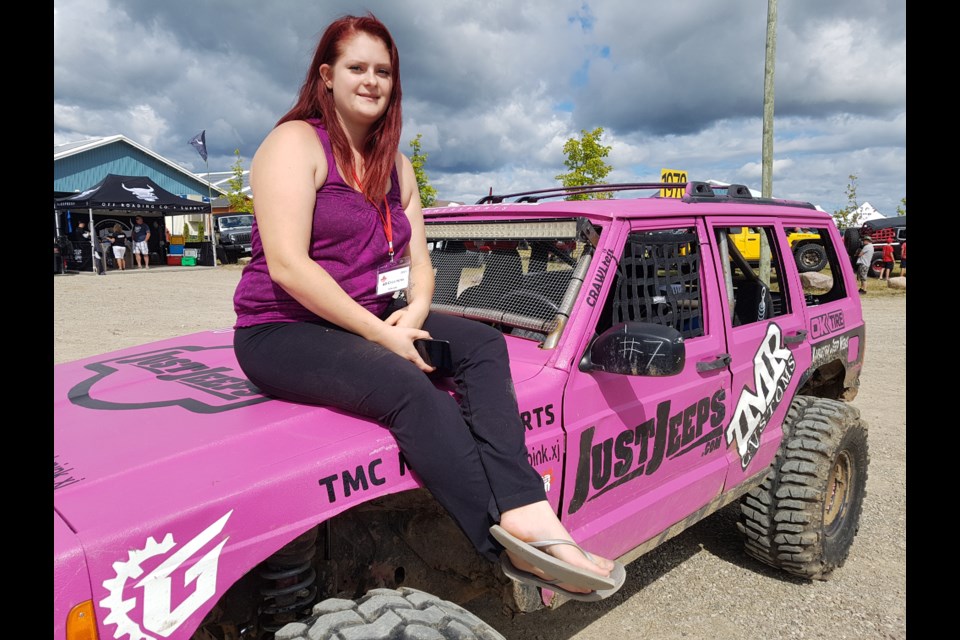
{"x": 151, "y": 593}
{"x": 773, "y": 369}
{"x": 185, "y": 376}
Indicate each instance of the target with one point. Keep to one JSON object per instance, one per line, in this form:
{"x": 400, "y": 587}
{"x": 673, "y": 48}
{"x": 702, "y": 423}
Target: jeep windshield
{"x": 522, "y": 277}
{"x": 235, "y": 222}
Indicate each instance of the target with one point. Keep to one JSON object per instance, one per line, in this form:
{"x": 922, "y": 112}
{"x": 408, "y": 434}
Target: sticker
{"x": 166, "y": 596}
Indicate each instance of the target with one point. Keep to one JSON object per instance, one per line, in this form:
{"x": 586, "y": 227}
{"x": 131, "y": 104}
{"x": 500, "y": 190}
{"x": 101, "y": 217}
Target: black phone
{"x": 436, "y": 353}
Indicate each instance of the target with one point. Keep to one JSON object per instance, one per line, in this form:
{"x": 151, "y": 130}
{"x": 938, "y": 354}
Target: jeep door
{"x": 644, "y": 452}
{"x": 766, "y": 339}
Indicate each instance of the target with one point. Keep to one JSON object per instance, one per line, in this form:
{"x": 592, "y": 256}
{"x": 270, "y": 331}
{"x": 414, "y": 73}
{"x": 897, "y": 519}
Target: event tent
{"x": 129, "y": 193}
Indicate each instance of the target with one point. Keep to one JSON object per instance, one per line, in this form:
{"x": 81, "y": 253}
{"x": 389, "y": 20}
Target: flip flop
{"x": 560, "y": 570}
{"x": 618, "y": 574}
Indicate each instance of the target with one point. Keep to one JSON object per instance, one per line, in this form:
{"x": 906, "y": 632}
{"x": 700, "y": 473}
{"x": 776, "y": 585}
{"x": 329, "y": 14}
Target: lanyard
{"x": 387, "y": 223}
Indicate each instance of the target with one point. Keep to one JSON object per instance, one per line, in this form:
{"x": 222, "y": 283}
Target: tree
{"x": 849, "y": 216}
{"x": 238, "y": 199}
{"x": 585, "y": 162}
{"x": 428, "y": 195}
{"x": 902, "y": 207}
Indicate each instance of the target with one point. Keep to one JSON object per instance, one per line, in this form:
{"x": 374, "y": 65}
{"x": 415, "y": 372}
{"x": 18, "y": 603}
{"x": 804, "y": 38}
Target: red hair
{"x": 315, "y": 101}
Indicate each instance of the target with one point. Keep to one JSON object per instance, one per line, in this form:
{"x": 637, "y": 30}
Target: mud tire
{"x": 389, "y": 614}
{"x": 804, "y": 516}
{"x": 810, "y": 257}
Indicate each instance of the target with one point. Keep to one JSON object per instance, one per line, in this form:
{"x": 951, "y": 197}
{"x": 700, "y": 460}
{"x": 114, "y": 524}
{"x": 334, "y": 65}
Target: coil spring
{"x": 290, "y": 588}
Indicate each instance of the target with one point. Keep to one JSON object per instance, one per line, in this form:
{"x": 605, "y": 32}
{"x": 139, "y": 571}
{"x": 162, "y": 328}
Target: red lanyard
{"x": 387, "y": 223}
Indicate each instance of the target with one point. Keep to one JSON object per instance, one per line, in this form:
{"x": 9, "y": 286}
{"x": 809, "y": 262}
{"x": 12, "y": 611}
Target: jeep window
{"x": 756, "y": 289}
{"x": 820, "y": 285}
{"x": 232, "y": 222}
{"x": 522, "y": 277}
{"x": 658, "y": 281}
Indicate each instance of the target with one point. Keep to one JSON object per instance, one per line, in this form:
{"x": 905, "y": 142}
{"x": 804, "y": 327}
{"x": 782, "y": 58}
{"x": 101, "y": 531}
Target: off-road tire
{"x": 389, "y": 614}
{"x": 810, "y": 257}
{"x": 804, "y": 516}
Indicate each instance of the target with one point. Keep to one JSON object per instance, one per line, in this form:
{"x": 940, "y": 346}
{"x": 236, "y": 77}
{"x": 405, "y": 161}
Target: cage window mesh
{"x": 659, "y": 281}
{"x": 515, "y": 283}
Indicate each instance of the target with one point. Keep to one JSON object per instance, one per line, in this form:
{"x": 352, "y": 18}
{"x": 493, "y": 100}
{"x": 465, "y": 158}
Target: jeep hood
{"x": 170, "y": 422}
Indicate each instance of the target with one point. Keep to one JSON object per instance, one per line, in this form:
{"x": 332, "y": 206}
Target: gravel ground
{"x": 697, "y": 585}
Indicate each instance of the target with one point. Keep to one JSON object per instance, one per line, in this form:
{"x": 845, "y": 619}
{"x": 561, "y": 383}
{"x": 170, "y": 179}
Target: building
{"x": 77, "y": 166}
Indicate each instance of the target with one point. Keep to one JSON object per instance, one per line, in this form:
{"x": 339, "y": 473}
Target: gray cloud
{"x": 496, "y": 88}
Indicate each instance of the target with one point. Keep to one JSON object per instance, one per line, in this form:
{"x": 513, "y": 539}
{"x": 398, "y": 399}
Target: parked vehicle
{"x": 806, "y": 247}
{"x": 892, "y": 231}
{"x": 233, "y": 236}
{"x": 660, "y": 377}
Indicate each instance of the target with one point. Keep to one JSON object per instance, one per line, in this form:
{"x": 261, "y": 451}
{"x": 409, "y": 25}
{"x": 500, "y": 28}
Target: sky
{"x": 495, "y": 88}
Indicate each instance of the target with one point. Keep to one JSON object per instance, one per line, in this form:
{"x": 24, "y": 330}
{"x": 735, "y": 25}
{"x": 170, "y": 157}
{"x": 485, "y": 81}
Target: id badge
{"x": 393, "y": 276}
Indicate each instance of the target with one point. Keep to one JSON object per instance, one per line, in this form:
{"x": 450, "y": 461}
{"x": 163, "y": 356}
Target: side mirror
{"x": 636, "y": 349}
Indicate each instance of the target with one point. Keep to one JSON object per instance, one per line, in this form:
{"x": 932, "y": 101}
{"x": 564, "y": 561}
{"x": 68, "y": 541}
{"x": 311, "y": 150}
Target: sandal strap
{"x": 540, "y": 544}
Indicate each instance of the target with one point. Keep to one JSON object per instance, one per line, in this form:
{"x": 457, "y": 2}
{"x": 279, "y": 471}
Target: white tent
{"x": 866, "y": 212}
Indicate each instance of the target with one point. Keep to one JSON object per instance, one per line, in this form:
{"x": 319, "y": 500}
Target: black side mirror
{"x": 636, "y": 349}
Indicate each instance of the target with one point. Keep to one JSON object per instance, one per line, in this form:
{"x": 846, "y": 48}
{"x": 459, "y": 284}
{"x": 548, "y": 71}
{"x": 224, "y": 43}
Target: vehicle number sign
{"x": 672, "y": 175}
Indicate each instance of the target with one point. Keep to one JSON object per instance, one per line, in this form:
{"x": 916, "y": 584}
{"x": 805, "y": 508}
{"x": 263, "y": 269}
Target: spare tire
{"x": 810, "y": 257}
{"x": 389, "y": 614}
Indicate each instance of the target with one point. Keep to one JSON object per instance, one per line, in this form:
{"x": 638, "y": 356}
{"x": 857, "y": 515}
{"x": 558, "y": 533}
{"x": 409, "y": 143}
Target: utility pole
{"x": 766, "y": 188}
{"x": 766, "y": 179}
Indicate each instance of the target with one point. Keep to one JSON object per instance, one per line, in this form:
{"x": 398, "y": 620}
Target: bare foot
{"x": 537, "y": 521}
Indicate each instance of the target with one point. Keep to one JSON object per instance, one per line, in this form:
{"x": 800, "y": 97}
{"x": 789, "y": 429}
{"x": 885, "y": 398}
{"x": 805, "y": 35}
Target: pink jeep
{"x": 660, "y": 376}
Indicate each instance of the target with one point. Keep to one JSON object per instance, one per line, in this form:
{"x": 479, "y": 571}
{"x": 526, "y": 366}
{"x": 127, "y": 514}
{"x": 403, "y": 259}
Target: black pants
{"x": 472, "y": 456}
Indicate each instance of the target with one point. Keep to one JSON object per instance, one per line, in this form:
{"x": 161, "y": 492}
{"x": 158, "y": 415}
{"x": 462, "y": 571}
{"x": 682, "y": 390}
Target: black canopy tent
{"x": 131, "y": 193}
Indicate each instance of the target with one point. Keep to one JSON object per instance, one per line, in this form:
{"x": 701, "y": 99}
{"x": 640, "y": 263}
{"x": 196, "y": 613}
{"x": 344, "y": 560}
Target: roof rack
{"x": 691, "y": 189}
{"x": 692, "y": 192}
{"x": 563, "y": 192}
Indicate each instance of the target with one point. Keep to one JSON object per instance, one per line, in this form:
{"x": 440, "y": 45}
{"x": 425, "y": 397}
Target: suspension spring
{"x": 289, "y": 587}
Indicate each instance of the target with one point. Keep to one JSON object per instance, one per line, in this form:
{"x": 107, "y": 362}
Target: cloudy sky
{"x": 496, "y": 87}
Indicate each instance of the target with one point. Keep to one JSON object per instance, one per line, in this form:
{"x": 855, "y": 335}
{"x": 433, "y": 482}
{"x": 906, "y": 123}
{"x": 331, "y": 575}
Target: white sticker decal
{"x": 159, "y": 614}
{"x": 773, "y": 367}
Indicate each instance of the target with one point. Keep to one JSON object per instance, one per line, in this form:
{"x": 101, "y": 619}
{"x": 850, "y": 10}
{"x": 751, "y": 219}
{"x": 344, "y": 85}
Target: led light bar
{"x": 526, "y": 230}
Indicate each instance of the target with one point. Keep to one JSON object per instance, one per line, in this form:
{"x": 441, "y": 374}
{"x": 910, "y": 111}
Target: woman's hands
{"x": 399, "y": 339}
{"x": 409, "y": 316}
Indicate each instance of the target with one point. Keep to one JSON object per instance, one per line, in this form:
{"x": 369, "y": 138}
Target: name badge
{"x": 393, "y": 276}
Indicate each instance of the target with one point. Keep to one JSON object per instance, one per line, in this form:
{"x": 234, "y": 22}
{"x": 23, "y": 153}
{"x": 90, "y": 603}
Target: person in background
{"x": 337, "y": 204}
{"x": 887, "y": 260}
{"x": 903, "y": 259}
{"x": 118, "y": 242}
{"x": 81, "y": 233}
{"x": 141, "y": 235}
{"x": 864, "y": 258}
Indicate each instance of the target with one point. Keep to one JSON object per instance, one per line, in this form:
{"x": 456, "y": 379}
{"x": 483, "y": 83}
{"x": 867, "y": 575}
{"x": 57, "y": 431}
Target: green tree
{"x": 848, "y": 216}
{"x": 585, "y": 161}
{"x": 428, "y": 195}
{"x": 238, "y": 199}
{"x": 902, "y": 207}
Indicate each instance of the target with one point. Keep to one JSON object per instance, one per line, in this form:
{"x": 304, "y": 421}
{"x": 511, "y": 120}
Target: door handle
{"x": 719, "y": 362}
{"x": 796, "y": 338}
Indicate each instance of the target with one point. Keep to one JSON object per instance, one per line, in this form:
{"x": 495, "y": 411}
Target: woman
{"x": 337, "y": 206}
{"x": 118, "y": 242}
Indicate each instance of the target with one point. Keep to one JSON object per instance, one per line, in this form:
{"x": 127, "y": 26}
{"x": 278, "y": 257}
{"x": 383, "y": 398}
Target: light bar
{"x": 544, "y": 230}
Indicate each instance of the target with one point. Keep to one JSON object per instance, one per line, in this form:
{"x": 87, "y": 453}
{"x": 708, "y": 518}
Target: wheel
{"x": 389, "y": 614}
{"x": 804, "y": 516}
{"x": 876, "y": 267}
{"x": 810, "y": 257}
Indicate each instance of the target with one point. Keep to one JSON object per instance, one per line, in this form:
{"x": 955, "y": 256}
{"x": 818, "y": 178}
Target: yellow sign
{"x": 673, "y": 175}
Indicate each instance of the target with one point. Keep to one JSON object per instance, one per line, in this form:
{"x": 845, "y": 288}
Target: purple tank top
{"x": 348, "y": 241}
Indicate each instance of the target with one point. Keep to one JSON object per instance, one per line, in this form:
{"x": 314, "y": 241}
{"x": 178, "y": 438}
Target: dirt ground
{"x": 697, "y": 585}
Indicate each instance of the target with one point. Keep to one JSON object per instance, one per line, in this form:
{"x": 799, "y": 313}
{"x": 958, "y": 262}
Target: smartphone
{"x": 436, "y": 353}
